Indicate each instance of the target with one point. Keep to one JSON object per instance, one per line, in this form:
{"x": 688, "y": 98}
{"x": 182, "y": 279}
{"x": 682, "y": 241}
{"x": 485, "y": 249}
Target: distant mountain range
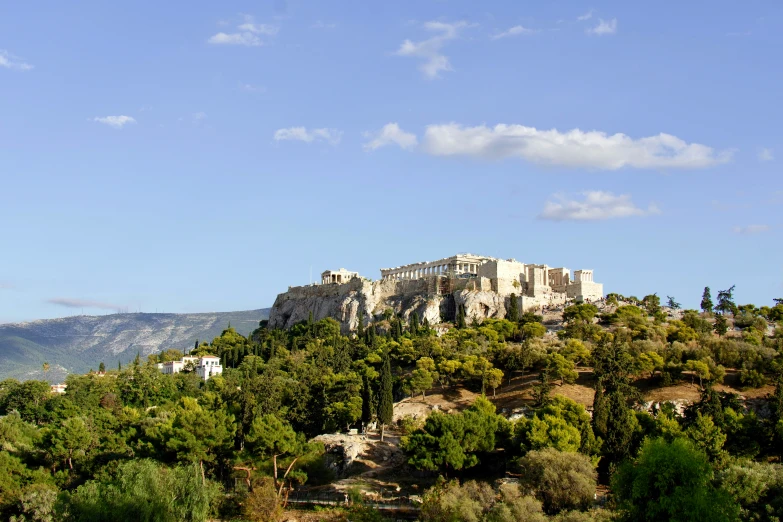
{"x": 79, "y": 343}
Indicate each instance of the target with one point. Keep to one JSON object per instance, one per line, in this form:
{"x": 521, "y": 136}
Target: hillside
{"x": 76, "y": 344}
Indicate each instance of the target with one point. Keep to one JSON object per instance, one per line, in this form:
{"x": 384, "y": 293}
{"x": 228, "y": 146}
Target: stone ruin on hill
{"x": 434, "y": 290}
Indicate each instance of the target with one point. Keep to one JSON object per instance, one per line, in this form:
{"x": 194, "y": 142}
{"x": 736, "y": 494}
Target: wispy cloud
{"x": 9, "y": 61}
{"x": 434, "y": 61}
{"x": 604, "y": 27}
{"x": 588, "y": 15}
{"x": 574, "y": 148}
{"x": 331, "y": 136}
{"x": 766, "y": 154}
{"x": 248, "y": 34}
{"x": 594, "y": 206}
{"x": 739, "y": 33}
{"x": 320, "y": 24}
{"x": 6, "y": 286}
{"x": 513, "y": 31}
{"x": 391, "y": 134}
{"x": 116, "y": 122}
{"x": 83, "y": 303}
{"x": 750, "y": 230}
{"x": 248, "y": 87}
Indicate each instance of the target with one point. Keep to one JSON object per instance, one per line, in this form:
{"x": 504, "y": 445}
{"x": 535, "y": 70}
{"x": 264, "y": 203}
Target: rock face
{"x": 343, "y": 302}
{"x": 76, "y": 344}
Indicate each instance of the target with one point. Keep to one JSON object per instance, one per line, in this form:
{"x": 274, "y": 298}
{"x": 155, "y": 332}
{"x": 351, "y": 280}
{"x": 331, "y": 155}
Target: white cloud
{"x": 331, "y": 136}
{"x": 595, "y": 205}
{"x": 575, "y": 148}
{"x": 9, "y": 61}
{"x": 117, "y": 122}
{"x": 513, "y": 31}
{"x": 604, "y": 27}
{"x": 247, "y": 34}
{"x": 391, "y": 133}
{"x": 750, "y": 229}
{"x": 588, "y": 15}
{"x": 434, "y": 62}
{"x": 320, "y": 24}
{"x": 248, "y": 87}
{"x": 83, "y": 303}
{"x": 766, "y": 155}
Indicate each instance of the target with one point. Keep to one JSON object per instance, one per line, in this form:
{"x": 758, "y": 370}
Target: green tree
{"x": 560, "y": 480}
{"x": 671, "y": 481}
{"x": 726, "y": 302}
{"x": 453, "y": 441}
{"x": 652, "y": 303}
{"x": 671, "y": 303}
{"x": 72, "y": 438}
{"x": 706, "y": 301}
{"x": 385, "y": 398}
{"x": 512, "y": 314}
{"x": 196, "y": 434}
{"x": 461, "y": 324}
{"x": 269, "y": 437}
{"x": 144, "y": 491}
{"x": 102, "y": 367}
{"x": 414, "y": 324}
{"x": 721, "y": 325}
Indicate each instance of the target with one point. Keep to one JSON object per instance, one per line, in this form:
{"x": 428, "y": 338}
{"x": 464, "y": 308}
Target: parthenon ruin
{"x": 503, "y": 276}
{"x": 484, "y": 286}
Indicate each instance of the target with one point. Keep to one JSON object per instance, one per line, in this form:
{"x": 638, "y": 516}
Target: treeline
{"x": 119, "y": 438}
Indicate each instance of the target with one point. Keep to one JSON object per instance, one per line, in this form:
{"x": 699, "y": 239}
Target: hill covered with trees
{"x": 134, "y": 444}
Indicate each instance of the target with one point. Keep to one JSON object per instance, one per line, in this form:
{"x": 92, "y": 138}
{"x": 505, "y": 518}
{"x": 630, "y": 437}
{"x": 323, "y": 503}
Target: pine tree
{"x": 119, "y": 366}
{"x": 512, "y": 314}
{"x": 425, "y": 325}
{"x": 102, "y": 368}
{"x": 386, "y": 399}
{"x": 706, "y": 301}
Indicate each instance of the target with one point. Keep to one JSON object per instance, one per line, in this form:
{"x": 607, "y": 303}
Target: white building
{"x": 205, "y": 367}
{"x": 208, "y": 366}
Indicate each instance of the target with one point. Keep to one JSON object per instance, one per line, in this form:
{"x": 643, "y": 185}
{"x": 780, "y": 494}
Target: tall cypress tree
{"x": 512, "y": 314}
{"x": 386, "y": 399}
{"x": 461, "y": 316}
{"x": 414, "y": 326}
{"x": 706, "y": 301}
{"x": 360, "y": 326}
{"x": 366, "y": 402}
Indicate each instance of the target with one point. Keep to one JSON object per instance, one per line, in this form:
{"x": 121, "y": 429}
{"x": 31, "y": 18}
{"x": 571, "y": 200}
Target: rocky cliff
{"x": 423, "y": 296}
{"x": 76, "y": 344}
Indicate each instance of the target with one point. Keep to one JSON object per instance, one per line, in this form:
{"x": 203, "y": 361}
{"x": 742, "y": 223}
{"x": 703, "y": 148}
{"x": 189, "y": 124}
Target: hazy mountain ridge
{"x": 78, "y": 343}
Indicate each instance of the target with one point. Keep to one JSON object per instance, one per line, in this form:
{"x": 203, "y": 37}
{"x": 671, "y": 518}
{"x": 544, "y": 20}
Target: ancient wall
{"x": 588, "y": 290}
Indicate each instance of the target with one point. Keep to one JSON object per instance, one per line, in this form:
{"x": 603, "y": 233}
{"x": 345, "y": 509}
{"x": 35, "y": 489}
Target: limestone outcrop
{"x": 344, "y": 302}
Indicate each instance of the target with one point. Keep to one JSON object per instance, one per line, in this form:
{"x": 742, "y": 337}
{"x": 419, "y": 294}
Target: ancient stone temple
{"x": 433, "y": 290}
{"x": 337, "y": 276}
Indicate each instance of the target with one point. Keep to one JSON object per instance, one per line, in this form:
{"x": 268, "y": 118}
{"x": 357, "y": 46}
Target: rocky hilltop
{"x": 76, "y": 344}
{"x": 343, "y": 302}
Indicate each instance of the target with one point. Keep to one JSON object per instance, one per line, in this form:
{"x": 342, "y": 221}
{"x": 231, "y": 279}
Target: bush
{"x": 143, "y": 491}
{"x": 261, "y": 504}
{"x": 757, "y": 487}
{"x": 478, "y": 502}
{"x": 752, "y": 379}
{"x": 559, "y": 480}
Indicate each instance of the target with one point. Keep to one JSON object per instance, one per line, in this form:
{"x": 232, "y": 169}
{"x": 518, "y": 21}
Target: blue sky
{"x": 204, "y": 156}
